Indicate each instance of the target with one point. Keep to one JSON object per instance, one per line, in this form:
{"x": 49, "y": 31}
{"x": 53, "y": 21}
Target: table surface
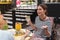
{"x": 29, "y": 37}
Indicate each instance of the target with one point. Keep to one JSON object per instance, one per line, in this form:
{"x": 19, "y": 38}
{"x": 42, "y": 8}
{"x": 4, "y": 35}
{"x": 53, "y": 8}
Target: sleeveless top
{"x": 39, "y": 23}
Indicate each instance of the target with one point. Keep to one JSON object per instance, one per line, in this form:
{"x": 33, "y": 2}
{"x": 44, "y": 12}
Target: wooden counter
{"x": 5, "y": 2}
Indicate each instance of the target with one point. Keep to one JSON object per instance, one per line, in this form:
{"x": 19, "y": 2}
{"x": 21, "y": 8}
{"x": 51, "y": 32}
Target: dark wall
{"x": 33, "y": 16}
{"x": 54, "y": 10}
{"x": 4, "y": 7}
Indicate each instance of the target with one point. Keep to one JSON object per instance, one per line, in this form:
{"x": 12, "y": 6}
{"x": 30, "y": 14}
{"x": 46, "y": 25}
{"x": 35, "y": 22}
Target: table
{"x": 26, "y": 36}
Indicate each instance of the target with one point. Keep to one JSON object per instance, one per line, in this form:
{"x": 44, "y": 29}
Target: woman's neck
{"x": 43, "y": 17}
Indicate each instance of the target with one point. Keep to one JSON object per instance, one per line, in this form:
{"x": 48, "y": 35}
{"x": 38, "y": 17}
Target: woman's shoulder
{"x": 51, "y": 18}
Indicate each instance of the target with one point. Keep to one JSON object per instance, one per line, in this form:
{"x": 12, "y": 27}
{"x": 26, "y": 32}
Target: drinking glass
{"x": 18, "y": 26}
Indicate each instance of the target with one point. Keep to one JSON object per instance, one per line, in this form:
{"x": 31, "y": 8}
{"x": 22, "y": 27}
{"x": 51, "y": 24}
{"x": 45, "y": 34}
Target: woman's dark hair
{"x": 44, "y": 7}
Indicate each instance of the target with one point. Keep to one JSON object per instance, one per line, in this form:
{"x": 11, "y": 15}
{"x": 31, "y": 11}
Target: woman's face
{"x": 40, "y": 11}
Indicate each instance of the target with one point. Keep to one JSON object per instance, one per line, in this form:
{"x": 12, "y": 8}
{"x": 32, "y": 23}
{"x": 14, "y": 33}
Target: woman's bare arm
{"x": 32, "y": 25}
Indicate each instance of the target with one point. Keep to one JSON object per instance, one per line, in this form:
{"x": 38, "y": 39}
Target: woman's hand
{"x": 27, "y": 18}
{"x": 45, "y": 28}
{"x": 35, "y": 28}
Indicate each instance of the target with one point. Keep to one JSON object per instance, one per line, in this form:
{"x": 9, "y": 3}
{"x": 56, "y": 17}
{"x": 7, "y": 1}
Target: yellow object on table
{"x": 24, "y": 35}
{"x": 18, "y": 26}
{"x": 21, "y": 35}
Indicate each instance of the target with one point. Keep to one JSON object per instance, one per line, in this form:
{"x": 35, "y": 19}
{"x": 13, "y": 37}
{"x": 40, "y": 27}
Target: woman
{"x": 43, "y": 24}
{"x": 4, "y": 34}
{"x": 3, "y": 23}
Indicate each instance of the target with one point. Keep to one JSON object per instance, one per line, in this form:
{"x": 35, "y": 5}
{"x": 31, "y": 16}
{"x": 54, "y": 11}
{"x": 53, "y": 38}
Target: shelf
{"x": 17, "y": 19}
{"x": 5, "y": 2}
{"x": 8, "y": 18}
{"x": 9, "y": 12}
{"x": 53, "y": 3}
{"x": 20, "y": 16}
{"x": 10, "y": 22}
{"x": 7, "y": 15}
